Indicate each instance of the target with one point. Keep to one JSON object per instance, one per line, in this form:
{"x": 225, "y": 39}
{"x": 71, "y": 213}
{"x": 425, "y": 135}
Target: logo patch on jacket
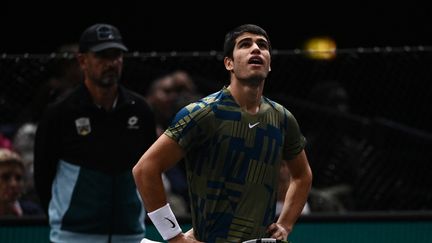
{"x": 132, "y": 122}
{"x": 83, "y": 126}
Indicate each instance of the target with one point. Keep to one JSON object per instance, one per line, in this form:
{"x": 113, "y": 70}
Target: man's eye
{"x": 9, "y": 176}
{"x": 263, "y": 45}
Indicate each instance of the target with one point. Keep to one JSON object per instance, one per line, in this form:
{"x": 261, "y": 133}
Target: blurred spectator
{"x": 166, "y": 96}
{"x": 64, "y": 74}
{"x": 330, "y": 94}
{"x": 333, "y": 153}
{"x": 177, "y": 202}
{"x": 12, "y": 179}
{"x": 23, "y": 143}
{"x": 162, "y": 98}
{"x": 5, "y": 142}
{"x": 185, "y": 87}
{"x": 284, "y": 180}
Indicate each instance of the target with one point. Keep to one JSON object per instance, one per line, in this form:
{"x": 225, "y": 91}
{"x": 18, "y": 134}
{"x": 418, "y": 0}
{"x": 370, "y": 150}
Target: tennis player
{"x": 233, "y": 142}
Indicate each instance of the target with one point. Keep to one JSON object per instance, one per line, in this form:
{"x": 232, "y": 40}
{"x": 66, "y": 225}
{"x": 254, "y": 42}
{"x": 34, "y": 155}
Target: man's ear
{"x": 228, "y": 63}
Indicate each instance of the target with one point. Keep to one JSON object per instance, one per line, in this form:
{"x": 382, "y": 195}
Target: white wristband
{"x": 165, "y": 222}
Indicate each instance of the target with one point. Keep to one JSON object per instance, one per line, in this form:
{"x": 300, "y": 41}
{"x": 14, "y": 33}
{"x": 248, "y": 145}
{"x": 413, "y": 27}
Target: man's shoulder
{"x": 66, "y": 103}
{"x": 63, "y": 100}
{"x": 132, "y": 96}
{"x": 193, "y": 109}
{"x": 203, "y": 104}
{"x": 275, "y": 105}
{"x": 131, "y": 93}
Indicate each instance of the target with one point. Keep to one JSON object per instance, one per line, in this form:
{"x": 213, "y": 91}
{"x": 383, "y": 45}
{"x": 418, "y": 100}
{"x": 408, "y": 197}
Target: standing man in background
{"x": 234, "y": 142}
{"x": 86, "y": 145}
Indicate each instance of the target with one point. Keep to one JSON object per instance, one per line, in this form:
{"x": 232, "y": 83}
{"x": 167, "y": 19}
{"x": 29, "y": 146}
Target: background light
{"x": 321, "y": 48}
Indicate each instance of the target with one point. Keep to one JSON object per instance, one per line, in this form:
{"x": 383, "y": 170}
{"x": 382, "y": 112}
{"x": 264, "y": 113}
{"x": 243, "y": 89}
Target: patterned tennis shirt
{"x": 232, "y": 162}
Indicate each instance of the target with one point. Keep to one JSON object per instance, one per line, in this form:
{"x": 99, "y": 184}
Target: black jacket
{"x": 91, "y": 152}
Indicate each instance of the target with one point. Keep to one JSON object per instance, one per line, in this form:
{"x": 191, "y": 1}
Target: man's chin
{"x": 255, "y": 81}
{"x": 108, "y": 82}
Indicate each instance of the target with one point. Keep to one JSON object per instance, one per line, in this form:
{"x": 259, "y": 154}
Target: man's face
{"x": 104, "y": 68}
{"x": 11, "y": 182}
{"x": 165, "y": 96}
{"x": 251, "y": 58}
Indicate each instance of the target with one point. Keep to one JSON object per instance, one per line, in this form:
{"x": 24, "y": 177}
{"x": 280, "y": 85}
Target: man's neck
{"x": 248, "y": 97}
{"x": 104, "y": 97}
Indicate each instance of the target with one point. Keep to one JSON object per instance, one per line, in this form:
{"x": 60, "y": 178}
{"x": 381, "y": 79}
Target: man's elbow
{"x": 138, "y": 171}
{"x": 309, "y": 179}
{"x": 308, "y": 176}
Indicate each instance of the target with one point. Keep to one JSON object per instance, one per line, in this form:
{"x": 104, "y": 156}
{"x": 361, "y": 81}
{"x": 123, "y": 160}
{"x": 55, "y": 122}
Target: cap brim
{"x": 108, "y": 45}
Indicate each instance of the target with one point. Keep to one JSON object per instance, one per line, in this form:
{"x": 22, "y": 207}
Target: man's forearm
{"x": 295, "y": 200}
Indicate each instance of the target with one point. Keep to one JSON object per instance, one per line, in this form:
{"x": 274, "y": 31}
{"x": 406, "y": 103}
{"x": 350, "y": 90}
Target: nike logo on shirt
{"x": 252, "y": 125}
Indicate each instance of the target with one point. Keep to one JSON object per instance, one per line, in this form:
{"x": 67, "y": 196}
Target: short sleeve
{"x": 294, "y": 141}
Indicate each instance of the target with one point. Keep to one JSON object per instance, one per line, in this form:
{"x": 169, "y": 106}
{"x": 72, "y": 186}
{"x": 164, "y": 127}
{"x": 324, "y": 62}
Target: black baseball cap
{"x": 99, "y": 37}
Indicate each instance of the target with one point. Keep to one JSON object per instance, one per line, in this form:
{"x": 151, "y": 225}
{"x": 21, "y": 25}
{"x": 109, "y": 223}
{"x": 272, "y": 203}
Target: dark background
{"x": 383, "y": 148}
{"x": 38, "y": 27}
